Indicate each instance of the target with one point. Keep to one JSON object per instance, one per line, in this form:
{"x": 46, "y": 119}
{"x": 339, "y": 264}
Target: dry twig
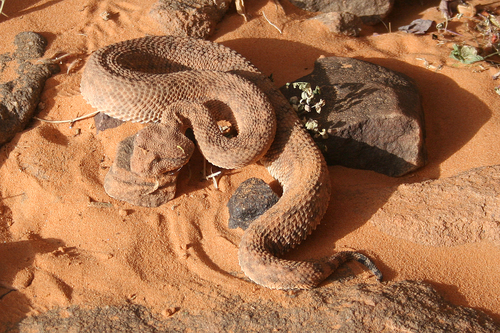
{"x": 274, "y": 25}
{"x": 68, "y": 121}
{"x": 1, "y": 8}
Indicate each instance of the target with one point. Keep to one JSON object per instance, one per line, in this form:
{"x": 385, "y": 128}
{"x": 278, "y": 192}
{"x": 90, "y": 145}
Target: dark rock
{"x": 103, "y": 122}
{"x": 403, "y": 306}
{"x": 446, "y": 212}
{"x": 341, "y": 23}
{"x": 123, "y": 184}
{"x": 30, "y": 45}
{"x": 20, "y": 97}
{"x": 370, "y": 11}
{"x": 250, "y": 200}
{"x": 373, "y": 116}
{"x": 192, "y": 18}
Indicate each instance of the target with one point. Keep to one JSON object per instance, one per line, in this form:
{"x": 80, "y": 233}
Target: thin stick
{"x": 214, "y": 176}
{"x": 274, "y": 25}
{"x": 54, "y": 60}
{"x": 388, "y": 28}
{"x": 1, "y": 8}
{"x": 68, "y": 121}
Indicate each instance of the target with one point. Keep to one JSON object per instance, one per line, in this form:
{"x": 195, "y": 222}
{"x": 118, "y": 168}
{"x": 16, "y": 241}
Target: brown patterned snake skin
{"x": 185, "y": 82}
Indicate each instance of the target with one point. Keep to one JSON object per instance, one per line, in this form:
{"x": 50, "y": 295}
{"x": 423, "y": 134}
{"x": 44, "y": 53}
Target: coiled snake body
{"x": 185, "y": 82}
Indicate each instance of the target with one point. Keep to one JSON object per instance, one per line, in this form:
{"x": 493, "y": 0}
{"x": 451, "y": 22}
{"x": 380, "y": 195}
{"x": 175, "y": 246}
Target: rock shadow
{"x": 453, "y": 115}
{"x": 19, "y": 8}
{"x": 17, "y": 272}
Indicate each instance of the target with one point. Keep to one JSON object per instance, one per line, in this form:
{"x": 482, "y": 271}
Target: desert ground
{"x": 64, "y": 242}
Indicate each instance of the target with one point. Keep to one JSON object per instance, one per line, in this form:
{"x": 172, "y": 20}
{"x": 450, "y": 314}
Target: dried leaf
{"x": 417, "y": 27}
{"x": 445, "y": 9}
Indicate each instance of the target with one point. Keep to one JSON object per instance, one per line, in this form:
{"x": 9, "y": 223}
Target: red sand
{"x": 60, "y": 246}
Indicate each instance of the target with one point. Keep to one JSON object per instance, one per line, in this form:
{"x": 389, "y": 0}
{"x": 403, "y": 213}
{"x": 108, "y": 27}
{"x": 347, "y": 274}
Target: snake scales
{"x": 184, "y": 82}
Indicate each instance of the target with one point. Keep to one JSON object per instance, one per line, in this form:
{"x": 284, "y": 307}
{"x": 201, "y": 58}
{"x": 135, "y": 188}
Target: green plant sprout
{"x": 304, "y": 105}
{"x": 465, "y": 53}
{"x": 468, "y": 54}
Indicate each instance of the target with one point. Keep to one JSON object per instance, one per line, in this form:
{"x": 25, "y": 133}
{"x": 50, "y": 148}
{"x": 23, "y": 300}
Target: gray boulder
{"x": 372, "y": 116}
{"x": 370, "y": 11}
{"x": 190, "y": 18}
{"x": 19, "y": 98}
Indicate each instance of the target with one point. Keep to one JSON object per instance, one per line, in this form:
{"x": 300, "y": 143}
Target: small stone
{"x": 103, "y": 122}
{"x": 123, "y": 212}
{"x": 105, "y": 15}
{"x": 250, "y": 200}
{"x": 168, "y": 312}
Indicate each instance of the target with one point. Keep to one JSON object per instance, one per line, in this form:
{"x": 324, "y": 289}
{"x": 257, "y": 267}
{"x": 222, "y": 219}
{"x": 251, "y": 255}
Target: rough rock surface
{"x": 446, "y": 212}
{"x": 370, "y": 11}
{"x": 103, "y": 122}
{"x": 123, "y": 184}
{"x": 341, "y": 23}
{"x": 404, "y": 306}
{"x": 191, "y": 18}
{"x": 20, "y": 97}
{"x": 250, "y": 200}
{"x": 372, "y": 115}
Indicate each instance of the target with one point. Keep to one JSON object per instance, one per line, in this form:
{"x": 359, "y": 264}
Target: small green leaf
{"x": 466, "y": 54}
{"x": 302, "y": 85}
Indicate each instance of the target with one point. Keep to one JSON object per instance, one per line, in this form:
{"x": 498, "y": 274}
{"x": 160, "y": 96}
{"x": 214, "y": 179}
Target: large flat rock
{"x": 404, "y": 306}
{"x": 446, "y": 212}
